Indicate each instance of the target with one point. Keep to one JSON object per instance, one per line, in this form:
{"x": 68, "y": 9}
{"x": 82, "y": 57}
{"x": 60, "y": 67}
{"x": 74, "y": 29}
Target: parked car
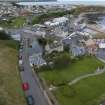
{"x": 20, "y": 62}
{"x": 21, "y": 68}
{"x": 20, "y": 50}
{"x": 25, "y": 86}
{"x": 30, "y": 100}
{"x": 22, "y": 43}
{"x": 21, "y": 47}
{"x": 20, "y": 57}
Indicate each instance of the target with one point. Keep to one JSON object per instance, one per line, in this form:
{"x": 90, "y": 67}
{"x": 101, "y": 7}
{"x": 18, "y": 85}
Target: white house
{"x": 102, "y": 45}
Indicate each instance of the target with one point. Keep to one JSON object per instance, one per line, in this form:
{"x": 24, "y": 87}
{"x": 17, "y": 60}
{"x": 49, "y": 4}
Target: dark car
{"x": 21, "y": 47}
{"x": 21, "y": 68}
{"x": 30, "y": 100}
{"x": 20, "y": 57}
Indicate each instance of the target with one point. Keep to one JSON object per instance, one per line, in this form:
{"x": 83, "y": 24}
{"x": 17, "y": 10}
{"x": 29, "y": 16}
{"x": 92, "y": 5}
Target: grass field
{"x": 78, "y": 68}
{"x": 14, "y": 23}
{"x": 18, "y": 22}
{"x": 10, "y": 84}
{"x": 90, "y": 91}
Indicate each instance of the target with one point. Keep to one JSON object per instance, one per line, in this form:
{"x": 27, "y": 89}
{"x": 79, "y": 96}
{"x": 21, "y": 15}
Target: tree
{"x": 42, "y": 41}
{"x": 62, "y": 60}
{"x": 4, "y": 35}
{"x": 67, "y": 48}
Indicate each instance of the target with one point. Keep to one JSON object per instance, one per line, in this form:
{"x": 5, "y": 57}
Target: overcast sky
{"x": 81, "y": 0}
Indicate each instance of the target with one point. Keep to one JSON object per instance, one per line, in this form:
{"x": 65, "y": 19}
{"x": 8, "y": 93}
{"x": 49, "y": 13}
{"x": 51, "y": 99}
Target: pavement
{"x": 29, "y": 76}
{"x": 97, "y": 72}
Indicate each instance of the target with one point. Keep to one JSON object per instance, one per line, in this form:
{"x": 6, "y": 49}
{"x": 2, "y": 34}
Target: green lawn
{"x": 14, "y": 23}
{"x": 10, "y": 43}
{"x": 90, "y": 91}
{"x": 18, "y": 22}
{"x": 10, "y": 83}
{"x": 80, "y": 67}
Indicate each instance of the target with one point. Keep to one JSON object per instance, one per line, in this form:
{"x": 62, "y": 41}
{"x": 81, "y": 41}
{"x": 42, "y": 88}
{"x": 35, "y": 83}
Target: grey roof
{"x": 37, "y": 60}
{"x": 76, "y": 51}
{"x": 36, "y": 48}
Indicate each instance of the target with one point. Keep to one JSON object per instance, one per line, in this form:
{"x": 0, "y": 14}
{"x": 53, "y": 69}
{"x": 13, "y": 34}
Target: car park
{"x": 30, "y": 100}
{"x": 25, "y": 86}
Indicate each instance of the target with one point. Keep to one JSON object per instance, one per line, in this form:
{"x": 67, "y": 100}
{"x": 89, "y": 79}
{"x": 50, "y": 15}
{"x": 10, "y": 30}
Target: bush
{"x": 62, "y": 60}
{"x": 42, "y": 41}
{"x": 66, "y": 48}
{"x": 43, "y": 17}
{"x": 45, "y": 68}
{"x": 4, "y": 35}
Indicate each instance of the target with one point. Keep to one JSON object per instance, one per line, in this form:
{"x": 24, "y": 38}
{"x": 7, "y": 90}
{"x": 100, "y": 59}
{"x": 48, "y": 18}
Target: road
{"x": 28, "y": 76}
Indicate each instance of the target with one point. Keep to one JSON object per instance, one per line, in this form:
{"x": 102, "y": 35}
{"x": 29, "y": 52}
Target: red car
{"x": 25, "y": 86}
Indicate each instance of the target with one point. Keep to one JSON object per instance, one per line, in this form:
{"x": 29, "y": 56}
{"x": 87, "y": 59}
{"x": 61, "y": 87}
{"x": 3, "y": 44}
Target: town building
{"x": 55, "y": 46}
{"x": 77, "y": 51}
{"x": 61, "y": 22}
{"x": 91, "y": 46}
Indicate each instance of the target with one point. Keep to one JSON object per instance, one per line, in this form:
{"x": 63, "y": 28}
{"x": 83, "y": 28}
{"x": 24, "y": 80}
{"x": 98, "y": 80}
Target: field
{"x": 78, "y": 68}
{"x": 10, "y": 83}
{"x": 13, "y": 23}
{"x": 89, "y": 91}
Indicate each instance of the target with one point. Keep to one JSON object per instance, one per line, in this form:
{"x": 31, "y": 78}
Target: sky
{"x": 81, "y": 0}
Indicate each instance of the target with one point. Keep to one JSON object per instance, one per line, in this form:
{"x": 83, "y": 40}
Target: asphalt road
{"x": 28, "y": 76}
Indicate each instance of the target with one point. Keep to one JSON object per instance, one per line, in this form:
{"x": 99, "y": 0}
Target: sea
{"x": 71, "y": 2}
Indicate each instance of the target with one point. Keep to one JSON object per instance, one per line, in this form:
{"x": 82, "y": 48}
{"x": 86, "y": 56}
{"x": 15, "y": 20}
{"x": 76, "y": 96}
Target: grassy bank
{"x": 10, "y": 84}
{"x": 89, "y": 91}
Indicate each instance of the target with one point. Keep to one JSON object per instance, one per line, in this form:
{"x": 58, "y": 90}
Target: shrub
{"x": 4, "y": 35}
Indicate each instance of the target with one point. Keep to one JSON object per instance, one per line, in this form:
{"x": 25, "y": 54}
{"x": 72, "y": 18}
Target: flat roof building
{"x": 102, "y": 45}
